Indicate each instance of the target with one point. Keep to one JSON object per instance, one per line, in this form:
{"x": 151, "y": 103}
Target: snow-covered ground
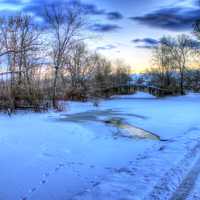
{"x": 75, "y": 155}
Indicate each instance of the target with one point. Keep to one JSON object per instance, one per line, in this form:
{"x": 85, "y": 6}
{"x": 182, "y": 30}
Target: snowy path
{"x": 179, "y": 181}
{"x": 195, "y": 193}
{"x": 188, "y": 183}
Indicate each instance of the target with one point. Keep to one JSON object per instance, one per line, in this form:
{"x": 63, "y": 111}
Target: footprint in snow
{"x": 43, "y": 181}
{"x": 94, "y": 184}
{"x": 33, "y": 189}
{"x": 56, "y": 169}
{"x": 47, "y": 174}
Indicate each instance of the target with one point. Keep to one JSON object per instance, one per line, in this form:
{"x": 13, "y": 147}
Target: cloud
{"x": 36, "y": 7}
{"x": 89, "y": 9}
{"x": 149, "y": 41}
{"x": 11, "y": 1}
{"x": 146, "y": 43}
{"x": 114, "y": 16}
{"x": 106, "y": 47}
{"x": 145, "y": 47}
{"x": 195, "y": 44}
{"x": 104, "y": 27}
{"x": 171, "y": 18}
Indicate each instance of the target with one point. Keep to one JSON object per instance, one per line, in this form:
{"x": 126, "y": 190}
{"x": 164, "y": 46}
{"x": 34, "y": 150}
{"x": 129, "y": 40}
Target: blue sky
{"x": 124, "y": 29}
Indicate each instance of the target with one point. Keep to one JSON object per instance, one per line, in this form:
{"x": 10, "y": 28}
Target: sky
{"x": 124, "y": 29}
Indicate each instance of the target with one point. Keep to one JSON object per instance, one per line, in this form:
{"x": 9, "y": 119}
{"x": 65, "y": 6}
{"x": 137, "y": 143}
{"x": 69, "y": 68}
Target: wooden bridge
{"x": 132, "y": 88}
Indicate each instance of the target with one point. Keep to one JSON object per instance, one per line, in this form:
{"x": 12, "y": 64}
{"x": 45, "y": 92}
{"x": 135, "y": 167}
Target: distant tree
{"x": 172, "y": 58}
{"x": 193, "y": 80}
{"x": 80, "y": 68}
{"x": 182, "y": 53}
{"x": 103, "y": 77}
{"x": 163, "y": 60}
{"x": 121, "y": 73}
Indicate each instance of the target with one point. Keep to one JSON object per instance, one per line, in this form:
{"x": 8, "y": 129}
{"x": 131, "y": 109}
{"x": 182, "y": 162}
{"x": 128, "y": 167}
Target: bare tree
{"x": 20, "y": 46}
{"x": 64, "y": 24}
{"x": 197, "y": 25}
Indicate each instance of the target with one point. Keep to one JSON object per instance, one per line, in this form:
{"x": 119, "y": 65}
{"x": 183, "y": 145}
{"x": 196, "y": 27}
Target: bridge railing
{"x": 132, "y": 88}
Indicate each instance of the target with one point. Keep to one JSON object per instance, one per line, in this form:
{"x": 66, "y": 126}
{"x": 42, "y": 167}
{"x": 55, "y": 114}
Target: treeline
{"x": 175, "y": 65}
{"x": 46, "y": 61}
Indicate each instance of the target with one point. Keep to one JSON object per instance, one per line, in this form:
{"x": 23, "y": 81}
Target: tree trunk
{"x": 55, "y": 88}
{"x": 182, "y": 83}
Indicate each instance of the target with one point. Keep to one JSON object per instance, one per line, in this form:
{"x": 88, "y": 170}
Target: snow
{"x": 58, "y": 156}
{"x": 139, "y": 95}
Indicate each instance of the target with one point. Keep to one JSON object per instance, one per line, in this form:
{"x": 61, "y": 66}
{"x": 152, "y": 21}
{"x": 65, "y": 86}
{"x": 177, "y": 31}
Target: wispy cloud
{"x": 104, "y": 27}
